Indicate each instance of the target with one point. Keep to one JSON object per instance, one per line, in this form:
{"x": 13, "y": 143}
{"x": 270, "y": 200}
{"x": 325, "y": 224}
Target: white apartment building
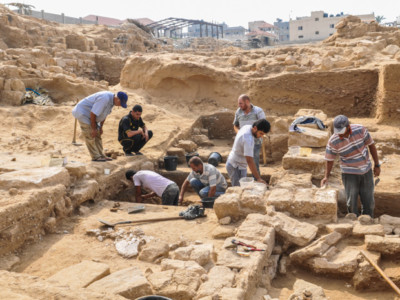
{"x": 319, "y": 26}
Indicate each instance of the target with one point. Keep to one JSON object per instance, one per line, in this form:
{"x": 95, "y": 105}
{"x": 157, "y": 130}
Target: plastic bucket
{"x": 214, "y": 159}
{"x": 190, "y": 155}
{"x": 246, "y": 181}
{"x": 208, "y": 202}
{"x": 154, "y": 297}
{"x": 170, "y": 163}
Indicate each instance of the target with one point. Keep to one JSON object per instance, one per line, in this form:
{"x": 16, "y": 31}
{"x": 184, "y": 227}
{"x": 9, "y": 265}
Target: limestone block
{"x": 314, "y": 164}
{"x": 176, "y": 151}
{"x": 389, "y": 220}
{"x": 343, "y": 264}
{"x": 280, "y": 126}
{"x": 231, "y": 294}
{"x": 13, "y": 98}
{"x": 361, "y": 230}
{"x": 154, "y": 250}
{"x": 16, "y": 85}
{"x": 291, "y": 181}
{"x": 129, "y": 283}
{"x": 8, "y": 261}
{"x": 386, "y": 245}
{"x": 234, "y": 190}
{"x": 391, "y": 50}
{"x": 192, "y": 266}
{"x": 188, "y": 146}
{"x": 81, "y": 275}
{"x": 202, "y": 140}
{"x": 34, "y": 178}
{"x": 84, "y": 191}
{"x": 202, "y": 254}
{"x": 225, "y": 221}
{"x": 310, "y": 137}
{"x": 365, "y": 220}
{"x": 222, "y": 232}
{"x": 227, "y": 205}
{"x": 281, "y": 199}
{"x": 296, "y": 232}
{"x": 175, "y": 284}
{"x": 317, "y": 248}
{"x": 253, "y": 198}
{"x": 76, "y": 169}
{"x": 300, "y": 287}
{"x": 254, "y": 228}
{"x": 343, "y": 228}
{"x": 219, "y": 277}
{"x": 128, "y": 247}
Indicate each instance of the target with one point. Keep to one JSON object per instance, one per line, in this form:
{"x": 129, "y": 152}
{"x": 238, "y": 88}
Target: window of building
{"x": 300, "y": 36}
{"x": 332, "y": 26}
{"x": 300, "y": 28}
{"x": 317, "y": 32}
{"x": 316, "y": 19}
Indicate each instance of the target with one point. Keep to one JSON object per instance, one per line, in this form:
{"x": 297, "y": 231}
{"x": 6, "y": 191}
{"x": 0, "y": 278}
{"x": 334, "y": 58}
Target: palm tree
{"x": 379, "y": 19}
{"x": 25, "y": 9}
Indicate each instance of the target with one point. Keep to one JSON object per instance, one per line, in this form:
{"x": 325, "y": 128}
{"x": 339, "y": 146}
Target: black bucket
{"x": 153, "y": 297}
{"x": 208, "y": 202}
{"x": 190, "y": 155}
{"x": 214, "y": 159}
{"x": 170, "y": 162}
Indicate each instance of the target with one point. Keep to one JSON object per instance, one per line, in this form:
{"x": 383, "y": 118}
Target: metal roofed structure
{"x": 173, "y": 27}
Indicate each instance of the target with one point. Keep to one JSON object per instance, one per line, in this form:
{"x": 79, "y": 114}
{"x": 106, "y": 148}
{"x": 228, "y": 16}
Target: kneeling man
{"x": 205, "y": 179}
{"x": 164, "y": 188}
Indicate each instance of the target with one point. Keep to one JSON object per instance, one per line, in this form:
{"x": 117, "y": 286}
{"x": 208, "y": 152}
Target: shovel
{"x": 74, "y": 138}
{"x": 138, "y": 221}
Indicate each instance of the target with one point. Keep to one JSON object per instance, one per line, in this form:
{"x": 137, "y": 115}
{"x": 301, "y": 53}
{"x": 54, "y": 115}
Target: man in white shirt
{"x": 205, "y": 179}
{"x": 159, "y": 186}
{"x": 242, "y": 152}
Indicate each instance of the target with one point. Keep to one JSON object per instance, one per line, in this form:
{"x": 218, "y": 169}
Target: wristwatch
{"x": 378, "y": 166}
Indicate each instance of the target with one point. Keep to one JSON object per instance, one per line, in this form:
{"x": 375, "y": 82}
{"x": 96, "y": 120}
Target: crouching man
{"x": 205, "y": 179}
{"x": 159, "y": 186}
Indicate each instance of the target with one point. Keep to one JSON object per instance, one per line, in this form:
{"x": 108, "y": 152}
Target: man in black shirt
{"x": 132, "y": 132}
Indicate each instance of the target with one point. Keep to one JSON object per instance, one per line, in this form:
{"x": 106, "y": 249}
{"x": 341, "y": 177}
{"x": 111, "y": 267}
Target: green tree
{"x": 379, "y": 19}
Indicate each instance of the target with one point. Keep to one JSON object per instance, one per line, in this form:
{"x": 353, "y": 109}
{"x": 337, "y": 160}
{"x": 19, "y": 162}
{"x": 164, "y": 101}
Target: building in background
{"x": 235, "y": 33}
{"x": 262, "y": 34}
{"x": 319, "y": 26}
{"x": 282, "y": 29}
{"x": 103, "y": 20}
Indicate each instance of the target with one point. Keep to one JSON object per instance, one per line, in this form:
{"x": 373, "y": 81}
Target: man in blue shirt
{"x": 91, "y": 113}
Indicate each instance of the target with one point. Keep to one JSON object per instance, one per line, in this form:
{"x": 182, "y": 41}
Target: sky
{"x": 232, "y": 12}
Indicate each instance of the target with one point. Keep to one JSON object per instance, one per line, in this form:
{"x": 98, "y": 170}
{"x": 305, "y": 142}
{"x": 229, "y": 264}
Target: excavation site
{"x": 73, "y": 225}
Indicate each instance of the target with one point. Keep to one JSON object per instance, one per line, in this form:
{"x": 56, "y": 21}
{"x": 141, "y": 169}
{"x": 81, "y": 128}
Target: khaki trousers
{"x": 94, "y": 144}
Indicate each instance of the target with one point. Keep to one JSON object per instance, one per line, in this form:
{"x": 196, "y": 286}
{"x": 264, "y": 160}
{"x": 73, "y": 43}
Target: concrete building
{"x": 235, "y": 33}
{"x": 282, "y": 29}
{"x": 103, "y": 20}
{"x": 262, "y": 33}
{"x": 319, "y": 26}
{"x": 207, "y": 31}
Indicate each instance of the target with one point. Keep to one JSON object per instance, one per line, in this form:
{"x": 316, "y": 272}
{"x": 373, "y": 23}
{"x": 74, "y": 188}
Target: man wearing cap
{"x": 351, "y": 142}
{"x": 205, "y": 179}
{"x": 91, "y": 113}
{"x": 132, "y": 132}
{"x": 159, "y": 186}
{"x": 247, "y": 114}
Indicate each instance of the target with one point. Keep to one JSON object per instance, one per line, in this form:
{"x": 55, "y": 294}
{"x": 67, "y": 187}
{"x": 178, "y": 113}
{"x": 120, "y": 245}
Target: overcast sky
{"x": 232, "y": 12}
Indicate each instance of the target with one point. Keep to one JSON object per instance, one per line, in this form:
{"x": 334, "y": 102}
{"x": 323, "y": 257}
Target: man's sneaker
{"x": 138, "y": 153}
{"x": 129, "y": 154}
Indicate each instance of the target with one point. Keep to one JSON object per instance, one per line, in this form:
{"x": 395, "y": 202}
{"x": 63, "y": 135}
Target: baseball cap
{"x": 123, "y": 97}
{"x": 340, "y": 124}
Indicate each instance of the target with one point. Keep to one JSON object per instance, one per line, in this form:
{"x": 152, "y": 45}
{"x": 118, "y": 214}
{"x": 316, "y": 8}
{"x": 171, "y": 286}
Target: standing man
{"x": 164, "y": 188}
{"x": 242, "y": 152}
{"x": 247, "y": 114}
{"x": 132, "y": 132}
{"x": 205, "y": 179}
{"x": 351, "y": 142}
{"x": 91, "y": 113}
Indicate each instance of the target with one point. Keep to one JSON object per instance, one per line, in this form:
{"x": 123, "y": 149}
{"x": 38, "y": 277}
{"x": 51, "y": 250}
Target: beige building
{"x": 318, "y": 27}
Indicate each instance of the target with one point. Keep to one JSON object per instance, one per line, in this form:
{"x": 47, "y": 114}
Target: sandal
{"x": 107, "y": 158}
{"x": 99, "y": 159}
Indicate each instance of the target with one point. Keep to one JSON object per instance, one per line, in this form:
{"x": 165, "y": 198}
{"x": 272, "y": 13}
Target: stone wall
{"x": 389, "y": 94}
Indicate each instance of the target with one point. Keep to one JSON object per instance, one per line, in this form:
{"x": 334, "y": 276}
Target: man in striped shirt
{"x": 205, "y": 179}
{"x": 351, "y": 142}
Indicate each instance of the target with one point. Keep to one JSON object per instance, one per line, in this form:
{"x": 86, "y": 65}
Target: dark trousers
{"x": 171, "y": 195}
{"x": 362, "y": 185}
{"x": 135, "y": 143}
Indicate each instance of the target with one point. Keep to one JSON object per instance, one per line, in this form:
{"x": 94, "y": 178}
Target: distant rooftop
{"x": 104, "y": 20}
{"x": 144, "y": 21}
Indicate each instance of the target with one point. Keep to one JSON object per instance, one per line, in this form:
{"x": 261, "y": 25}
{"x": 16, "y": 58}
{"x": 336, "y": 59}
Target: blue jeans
{"x": 362, "y": 185}
{"x": 203, "y": 190}
{"x": 235, "y": 174}
{"x": 256, "y": 156}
